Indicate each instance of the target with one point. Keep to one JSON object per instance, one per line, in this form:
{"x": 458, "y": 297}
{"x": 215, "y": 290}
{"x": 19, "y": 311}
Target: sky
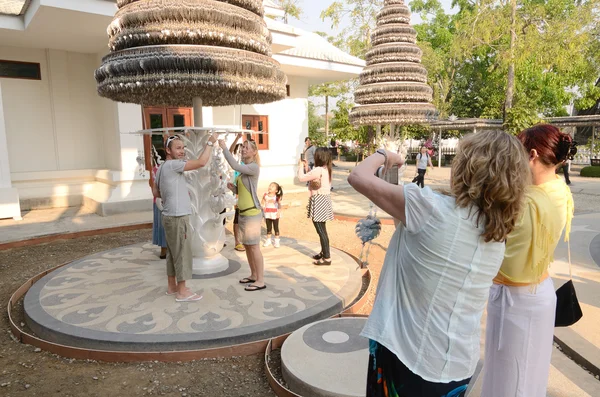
{"x": 311, "y": 20}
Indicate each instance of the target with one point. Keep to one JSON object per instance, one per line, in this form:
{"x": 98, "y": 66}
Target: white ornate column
{"x": 207, "y": 194}
{"x": 9, "y": 196}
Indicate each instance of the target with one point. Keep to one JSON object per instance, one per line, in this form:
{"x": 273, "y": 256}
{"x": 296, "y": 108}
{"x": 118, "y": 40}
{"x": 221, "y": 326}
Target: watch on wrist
{"x": 210, "y": 143}
{"x": 384, "y": 154}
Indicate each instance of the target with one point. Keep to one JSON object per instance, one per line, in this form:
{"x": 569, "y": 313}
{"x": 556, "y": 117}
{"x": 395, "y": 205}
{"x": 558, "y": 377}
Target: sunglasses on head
{"x": 171, "y": 139}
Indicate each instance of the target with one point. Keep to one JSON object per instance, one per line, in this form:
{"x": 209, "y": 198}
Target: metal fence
{"x": 583, "y": 156}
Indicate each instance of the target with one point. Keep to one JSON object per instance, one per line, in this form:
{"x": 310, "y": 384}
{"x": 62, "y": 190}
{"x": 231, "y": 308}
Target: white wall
{"x": 53, "y": 124}
{"x": 288, "y": 126}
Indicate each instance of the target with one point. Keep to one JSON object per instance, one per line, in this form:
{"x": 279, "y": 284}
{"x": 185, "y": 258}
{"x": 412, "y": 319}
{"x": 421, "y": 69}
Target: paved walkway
{"x": 566, "y": 377}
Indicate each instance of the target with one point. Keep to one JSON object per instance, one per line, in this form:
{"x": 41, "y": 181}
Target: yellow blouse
{"x": 530, "y": 246}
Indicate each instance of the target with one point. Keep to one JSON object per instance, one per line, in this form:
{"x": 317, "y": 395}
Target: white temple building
{"x": 63, "y": 145}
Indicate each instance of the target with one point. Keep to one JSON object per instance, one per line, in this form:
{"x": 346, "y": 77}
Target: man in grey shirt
{"x": 170, "y": 185}
{"x": 309, "y": 153}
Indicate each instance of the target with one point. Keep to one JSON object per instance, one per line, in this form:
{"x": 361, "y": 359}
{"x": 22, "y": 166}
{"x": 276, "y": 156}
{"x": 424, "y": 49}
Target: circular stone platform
{"x": 328, "y": 358}
{"x": 116, "y": 300}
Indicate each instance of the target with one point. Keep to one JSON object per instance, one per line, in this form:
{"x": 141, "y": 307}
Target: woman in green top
{"x": 250, "y": 219}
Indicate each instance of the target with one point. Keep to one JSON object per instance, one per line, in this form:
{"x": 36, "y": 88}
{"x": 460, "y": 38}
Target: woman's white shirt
{"x": 433, "y": 287}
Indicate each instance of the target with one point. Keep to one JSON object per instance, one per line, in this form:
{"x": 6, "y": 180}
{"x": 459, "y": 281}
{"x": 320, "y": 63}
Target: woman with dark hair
{"x": 439, "y": 265}
{"x": 522, "y": 301}
{"x": 158, "y": 231}
{"x": 319, "y": 208}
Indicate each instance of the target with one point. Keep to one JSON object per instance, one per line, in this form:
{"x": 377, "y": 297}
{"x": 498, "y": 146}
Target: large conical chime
{"x": 168, "y": 52}
{"x": 393, "y": 86}
{"x": 200, "y": 53}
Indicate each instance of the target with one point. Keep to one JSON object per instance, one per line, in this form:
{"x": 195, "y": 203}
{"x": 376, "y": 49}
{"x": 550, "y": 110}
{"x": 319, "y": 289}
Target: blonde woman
{"x": 439, "y": 266}
{"x": 522, "y": 301}
{"x": 250, "y": 211}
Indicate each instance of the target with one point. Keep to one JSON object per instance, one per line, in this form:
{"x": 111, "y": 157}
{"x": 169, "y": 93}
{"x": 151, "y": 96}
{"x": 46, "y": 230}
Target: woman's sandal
{"x": 318, "y": 256}
{"x": 240, "y": 247}
{"x": 323, "y": 262}
{"x": 246, "y": 280}
{"x": 253, "y": 287}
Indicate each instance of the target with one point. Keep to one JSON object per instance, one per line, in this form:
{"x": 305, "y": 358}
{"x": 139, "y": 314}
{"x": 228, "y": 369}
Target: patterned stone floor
{"x": 116, "y": 300}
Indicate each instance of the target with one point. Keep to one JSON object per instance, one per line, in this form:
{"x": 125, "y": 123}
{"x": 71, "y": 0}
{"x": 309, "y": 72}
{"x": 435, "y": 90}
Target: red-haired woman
{"x": 522, "y": 301}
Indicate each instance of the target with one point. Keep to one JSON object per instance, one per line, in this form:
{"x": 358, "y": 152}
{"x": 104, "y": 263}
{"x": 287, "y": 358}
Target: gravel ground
{"x": 27, "y": 371}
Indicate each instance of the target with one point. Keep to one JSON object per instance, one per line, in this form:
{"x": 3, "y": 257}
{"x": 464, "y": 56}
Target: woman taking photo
{"x": 319, "y": 208}
{"x": 425, "y": 323}
{"x": 250, "y": 211}
{"x": 522, "y": 301}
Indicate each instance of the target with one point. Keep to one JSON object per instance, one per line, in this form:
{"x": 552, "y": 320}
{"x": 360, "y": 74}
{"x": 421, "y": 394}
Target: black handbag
{"x": 568, "y": 311}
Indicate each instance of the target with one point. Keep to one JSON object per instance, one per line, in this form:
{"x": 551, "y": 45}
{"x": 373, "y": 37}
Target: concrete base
{"x": 328, "y": 358}
{"x": 9, "y": 204}
{"x": 117, "y": 207}
{"x": 215, "y": 264}
{"x": 116, "y": 300}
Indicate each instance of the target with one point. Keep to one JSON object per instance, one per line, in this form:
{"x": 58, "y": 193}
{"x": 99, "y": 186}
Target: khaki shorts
{"x": 179, "y": 246}
{"x": 250, "y": 229}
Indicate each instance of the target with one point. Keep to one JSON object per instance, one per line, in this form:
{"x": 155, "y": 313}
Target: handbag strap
{"x": 569, "y": 256}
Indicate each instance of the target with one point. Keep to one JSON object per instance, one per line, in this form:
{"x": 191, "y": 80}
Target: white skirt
{"x": 518, "y": 340}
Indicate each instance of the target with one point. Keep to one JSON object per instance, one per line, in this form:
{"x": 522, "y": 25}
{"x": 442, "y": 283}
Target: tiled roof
{"x": 13, "y": 7}
{"x": 313, "y": 46}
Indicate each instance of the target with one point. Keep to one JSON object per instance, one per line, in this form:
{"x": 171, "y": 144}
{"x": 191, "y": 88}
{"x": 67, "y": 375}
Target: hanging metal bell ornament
{"x": 367, "y": 230}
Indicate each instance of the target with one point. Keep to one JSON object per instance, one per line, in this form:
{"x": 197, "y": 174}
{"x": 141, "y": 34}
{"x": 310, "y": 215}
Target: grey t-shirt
{"x": 422, "y": 161}
{"x": 173, "y": 188}
{"x": 309, "y": 154}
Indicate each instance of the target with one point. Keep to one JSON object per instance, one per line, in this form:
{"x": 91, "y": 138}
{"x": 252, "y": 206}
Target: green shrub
{"x": 591, "y": 171}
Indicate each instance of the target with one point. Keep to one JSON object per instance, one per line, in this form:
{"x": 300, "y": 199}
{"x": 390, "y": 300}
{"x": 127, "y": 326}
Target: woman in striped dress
{"x": 319, "y": 208}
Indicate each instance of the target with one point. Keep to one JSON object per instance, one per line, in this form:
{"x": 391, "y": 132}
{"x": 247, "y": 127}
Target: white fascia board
{"x": 11, "y": 22}
{"x": 99, "y": 7}
{"x": 276, "y": 12}
{"x": 317, "y": 64}
{"x": 284, "y": 41}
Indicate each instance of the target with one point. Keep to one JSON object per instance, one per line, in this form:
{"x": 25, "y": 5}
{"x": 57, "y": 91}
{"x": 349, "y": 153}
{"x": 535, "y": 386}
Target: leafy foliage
{"x": 362, "y": 17}
{"x": 590, "y": 171}
{"x": 315, "y": 125}
{"x": 291, "y": 8}
{"x": 556, "y": 57}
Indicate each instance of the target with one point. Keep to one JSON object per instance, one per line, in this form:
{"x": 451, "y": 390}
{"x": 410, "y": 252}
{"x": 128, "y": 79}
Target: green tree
{"x": 362, "y": 17}
{"x": 291, "y": 8}
{"x": 315, "y": 124}
{"x": 511, "y": 59}
{"x": 341, "y": 127}
{"x": 328, "y": 90}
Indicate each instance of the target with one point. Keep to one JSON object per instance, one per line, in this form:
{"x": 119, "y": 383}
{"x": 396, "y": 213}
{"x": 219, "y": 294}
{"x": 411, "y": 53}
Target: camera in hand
{"x": 391, "y": 176}
{"x": 572, "y": 150}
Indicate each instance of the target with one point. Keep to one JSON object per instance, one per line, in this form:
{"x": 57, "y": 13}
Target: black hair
{"x": 237, "y": 148}
{"x": 306, "y": 139}
{"x": 323, "y": 159}
{"x": 279, "y": 193}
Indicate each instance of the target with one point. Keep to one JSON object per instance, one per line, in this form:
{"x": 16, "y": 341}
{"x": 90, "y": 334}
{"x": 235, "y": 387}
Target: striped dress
{"x": 319, "y": 208}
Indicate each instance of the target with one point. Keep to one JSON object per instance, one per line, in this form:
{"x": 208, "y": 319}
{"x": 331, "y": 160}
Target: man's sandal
{"x": 240, "y": 247}
{"x": 253, "y": 287}
{"x": 246, "y": 280}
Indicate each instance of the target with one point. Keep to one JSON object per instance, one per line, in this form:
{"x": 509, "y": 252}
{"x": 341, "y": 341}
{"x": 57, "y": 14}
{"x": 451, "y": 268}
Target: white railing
{"x": 583, "y": 156}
